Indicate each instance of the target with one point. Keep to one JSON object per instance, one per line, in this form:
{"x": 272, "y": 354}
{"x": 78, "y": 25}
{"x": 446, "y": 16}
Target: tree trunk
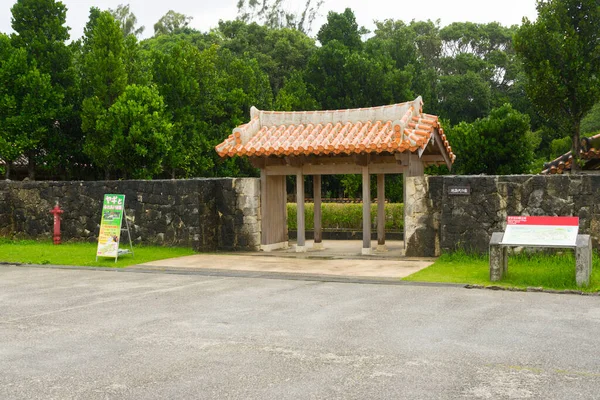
{"x": 576, "y": 145}
{"x": 31, "y": 165}
{"x": 7, "y": 171}
{"x": 106, "y": 174}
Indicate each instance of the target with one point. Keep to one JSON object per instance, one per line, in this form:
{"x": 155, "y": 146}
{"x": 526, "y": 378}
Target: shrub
{"x": 346, "y": 216}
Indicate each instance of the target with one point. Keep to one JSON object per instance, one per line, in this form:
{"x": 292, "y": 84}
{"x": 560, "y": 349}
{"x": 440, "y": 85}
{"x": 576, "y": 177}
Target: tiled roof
{"x": 394, "y": 128}
{"x": 589, "y": 152}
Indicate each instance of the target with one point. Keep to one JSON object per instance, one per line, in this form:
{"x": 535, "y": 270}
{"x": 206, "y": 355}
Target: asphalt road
{"x": 102, "y": 335}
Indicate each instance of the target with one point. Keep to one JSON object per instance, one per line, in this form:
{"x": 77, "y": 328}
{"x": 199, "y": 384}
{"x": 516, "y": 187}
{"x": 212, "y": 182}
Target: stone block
{"x": 498, "y": 257}
{"x": 583, "y": 260}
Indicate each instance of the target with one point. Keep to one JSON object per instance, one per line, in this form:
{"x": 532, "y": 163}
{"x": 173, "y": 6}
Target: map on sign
{"x": 541, "y": 231}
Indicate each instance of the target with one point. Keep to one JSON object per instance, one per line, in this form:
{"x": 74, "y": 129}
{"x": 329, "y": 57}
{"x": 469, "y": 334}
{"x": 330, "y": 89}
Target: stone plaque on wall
{"x": 463, "y": 190}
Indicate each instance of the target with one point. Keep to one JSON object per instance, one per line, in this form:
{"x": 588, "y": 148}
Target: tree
{"x": 136, "y": 134}
{"x": 27, "y": 104}
{"x": 561, "y": 57}
{"x": 105, "y": 76}
{"x": 127, "y": 20}
{"x": 294, "y": 95}
{"x": 188, "y": 81}
{"x": 272, "y": 14}
{"x": 343, "y": 28}
{"x": 40, "y": 30}
{"x": 278, "y": 51}
{"x": 499, "y": 144}
{"x": 171, "y": 22}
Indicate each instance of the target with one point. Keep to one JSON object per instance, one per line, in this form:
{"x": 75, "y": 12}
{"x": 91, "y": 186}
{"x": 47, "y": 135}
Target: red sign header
{"x": 551, "y": 221}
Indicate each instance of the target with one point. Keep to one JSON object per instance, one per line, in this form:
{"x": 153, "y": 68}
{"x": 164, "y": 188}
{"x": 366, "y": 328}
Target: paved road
{"x": 96, "y": 335}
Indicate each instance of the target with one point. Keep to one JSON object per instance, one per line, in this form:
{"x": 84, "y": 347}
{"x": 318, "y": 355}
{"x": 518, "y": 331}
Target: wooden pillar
{"x": 366, "y": 189}
{"x": 318, "y": 242}
{"x": 381, "y": 212}
{"x": 300, "y": 244}
{"x": 264, "y": 216}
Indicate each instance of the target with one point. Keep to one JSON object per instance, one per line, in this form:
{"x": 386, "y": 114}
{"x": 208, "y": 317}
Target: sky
{"x": 207, "y": 13}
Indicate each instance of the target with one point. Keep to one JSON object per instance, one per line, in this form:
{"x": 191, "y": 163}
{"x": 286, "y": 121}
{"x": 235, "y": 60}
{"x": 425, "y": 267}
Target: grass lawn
{"x": 34, "y": 252}
{"x": 524, "y": 270}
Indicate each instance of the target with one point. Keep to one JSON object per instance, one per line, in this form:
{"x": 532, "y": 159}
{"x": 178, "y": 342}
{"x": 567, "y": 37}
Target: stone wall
{"x": 206, "y": 214}
{"x": 438, "y": 222}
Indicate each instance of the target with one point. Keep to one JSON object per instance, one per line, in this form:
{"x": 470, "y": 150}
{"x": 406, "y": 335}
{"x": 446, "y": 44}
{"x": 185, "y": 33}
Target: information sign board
{"x": 541, "y": 231}
{"x": 110, "y": 225}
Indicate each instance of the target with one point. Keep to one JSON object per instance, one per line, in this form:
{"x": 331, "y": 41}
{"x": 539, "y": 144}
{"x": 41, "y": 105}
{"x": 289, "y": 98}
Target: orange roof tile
{"x": 588, "y": 152}
{"x": 393, "y": 128}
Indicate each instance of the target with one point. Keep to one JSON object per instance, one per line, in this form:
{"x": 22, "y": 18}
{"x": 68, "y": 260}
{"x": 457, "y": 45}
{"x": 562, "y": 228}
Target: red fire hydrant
{"x": 56, "y": 211}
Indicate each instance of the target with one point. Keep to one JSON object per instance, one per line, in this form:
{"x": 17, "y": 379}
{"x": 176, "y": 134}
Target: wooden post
{"x": 264, "y": 216}
{"x": 366, "y": 189}
{"x": 381, "y": 212}
{"x": 300, "y": 244}
{"x": 318, "y": 242}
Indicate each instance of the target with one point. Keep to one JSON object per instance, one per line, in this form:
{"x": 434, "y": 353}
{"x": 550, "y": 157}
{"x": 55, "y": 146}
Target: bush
{"x": 346, "y": 216}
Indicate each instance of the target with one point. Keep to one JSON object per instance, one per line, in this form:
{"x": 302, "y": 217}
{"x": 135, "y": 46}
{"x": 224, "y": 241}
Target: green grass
{"x": 550, "y": 271}
{"x": 84, "y": 254}
{"x": 346, "y": 216}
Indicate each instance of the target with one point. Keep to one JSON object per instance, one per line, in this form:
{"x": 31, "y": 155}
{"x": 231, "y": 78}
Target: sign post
{"x": 113, "y": 213}
{"x": 541, "y": 231}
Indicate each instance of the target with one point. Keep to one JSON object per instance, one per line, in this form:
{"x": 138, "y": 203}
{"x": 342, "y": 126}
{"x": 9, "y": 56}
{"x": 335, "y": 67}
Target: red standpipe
{"x": 56, "y": 211}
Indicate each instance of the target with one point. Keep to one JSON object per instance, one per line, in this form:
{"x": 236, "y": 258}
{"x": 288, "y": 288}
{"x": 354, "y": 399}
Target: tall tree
{"x": 274, "y": 14}
{"x": 343, "y": 28}
{"x": 27, "y": 104}
{"x": 171, "y": 22}
{"x": 106, "y": 77}
{"x": 561, "y": 57}
{"x": 127, "y": 20}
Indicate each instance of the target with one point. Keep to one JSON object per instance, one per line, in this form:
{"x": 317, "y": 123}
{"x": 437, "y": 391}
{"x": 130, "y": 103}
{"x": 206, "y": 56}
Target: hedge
{"x": 346, "y": 216}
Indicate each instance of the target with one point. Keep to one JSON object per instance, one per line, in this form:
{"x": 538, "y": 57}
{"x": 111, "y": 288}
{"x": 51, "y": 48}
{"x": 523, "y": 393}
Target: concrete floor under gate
{"x": 338, "y": 258}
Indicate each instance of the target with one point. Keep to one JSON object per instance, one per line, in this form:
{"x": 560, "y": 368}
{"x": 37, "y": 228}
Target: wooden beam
{"x": 300, "y": 244}
{"x": 334, "y": 169}
{"x": 432, "y": 158}
{"x": 442, "y": 148}
{"x": 381, "y": 212}
{"x": 366, "y": 191}
{"x": 258, "y": 162}
{"x": 318, "y": 242}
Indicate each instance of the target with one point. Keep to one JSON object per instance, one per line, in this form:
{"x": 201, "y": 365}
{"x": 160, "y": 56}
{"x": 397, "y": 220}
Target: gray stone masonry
{"x": 498, "y": 257}
{"x": 438, "y": 222}
{"x": 206, "y": 214}
{"x": 583, "y": 260}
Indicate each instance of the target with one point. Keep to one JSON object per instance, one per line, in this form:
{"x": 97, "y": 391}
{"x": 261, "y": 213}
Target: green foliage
{"x": 558, "y": 147}
{"x": 294, "y": 95}
{"x": 171, "y": 22}
{"x": 135, "y": 134}
{"x": 346, "y": 216}
{"x": 126, "y": 20}
{"x": 273, "y": 14}
{"x": 105, "y": 70}
{"x": 341, "y": 28}
{"x": 28, "y": 103}
{"x": 590, "y": 124}
{"x": 499, "y": 144}
{"x": 561, "y": 57}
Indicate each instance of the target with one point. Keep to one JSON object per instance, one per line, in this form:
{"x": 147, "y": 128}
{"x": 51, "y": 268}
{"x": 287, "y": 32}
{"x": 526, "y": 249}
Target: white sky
{"x": 207, "y": 13}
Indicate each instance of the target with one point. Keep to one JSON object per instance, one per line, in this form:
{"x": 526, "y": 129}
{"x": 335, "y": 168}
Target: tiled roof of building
{"x": 394, "y": 128}
{"x": 589, "y": 152}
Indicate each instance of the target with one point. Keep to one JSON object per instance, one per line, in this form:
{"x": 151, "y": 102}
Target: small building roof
{"x": 394, "y": 128}
{"x": 589, "y": 152}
